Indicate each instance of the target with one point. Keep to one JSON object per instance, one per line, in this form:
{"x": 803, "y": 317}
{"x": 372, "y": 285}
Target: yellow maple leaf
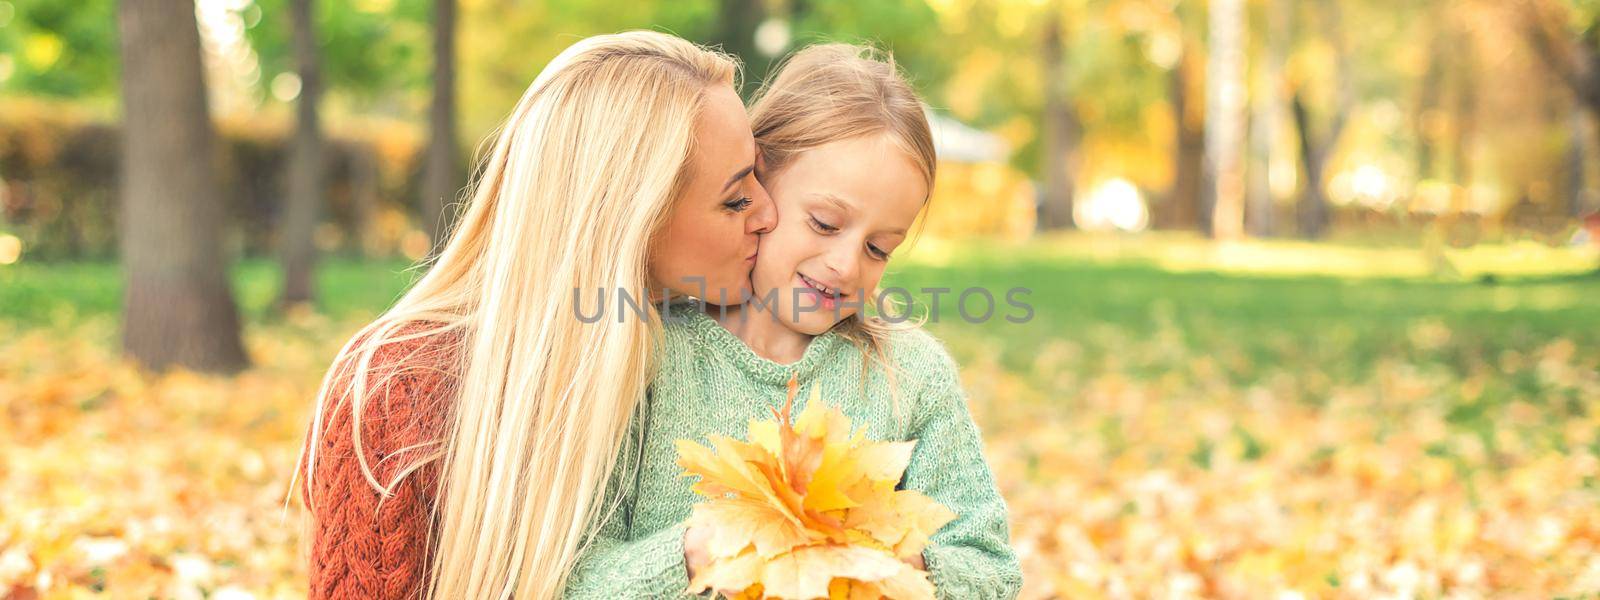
{"x": 737, "y": 524}
{"x": 807, "y": 508}
{"x": 902, "y": 520}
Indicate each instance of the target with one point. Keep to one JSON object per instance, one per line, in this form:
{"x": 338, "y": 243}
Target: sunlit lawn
{"x": 1176, "y": 418}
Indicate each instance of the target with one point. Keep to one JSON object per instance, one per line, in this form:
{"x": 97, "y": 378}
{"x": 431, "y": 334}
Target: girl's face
{"x": 845, "y": 207}
{"x": 708, "y": 245}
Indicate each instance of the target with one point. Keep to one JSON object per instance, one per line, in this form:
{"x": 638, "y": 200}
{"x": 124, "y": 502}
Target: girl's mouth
{"x": 824, "y": 290}
{"x": 827, "y": 298}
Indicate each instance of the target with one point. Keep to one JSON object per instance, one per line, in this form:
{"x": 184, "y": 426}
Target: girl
{"x": 460, "y": 441}
{"x": 848, "y": 158}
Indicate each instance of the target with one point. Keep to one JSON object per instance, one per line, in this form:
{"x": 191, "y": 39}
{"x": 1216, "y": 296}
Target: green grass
{"x": 1129, "y": 313}
{"x": 44, "y": 294}
{"x": 1190, "y": 337}
{"x": 1147, "y": 320}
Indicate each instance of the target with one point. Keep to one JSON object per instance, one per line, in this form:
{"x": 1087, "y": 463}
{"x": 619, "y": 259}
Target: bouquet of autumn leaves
{"x": 808, "y": 509}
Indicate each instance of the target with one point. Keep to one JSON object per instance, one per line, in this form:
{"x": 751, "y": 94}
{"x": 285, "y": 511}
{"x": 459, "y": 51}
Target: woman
{"x": 461, "y": 440}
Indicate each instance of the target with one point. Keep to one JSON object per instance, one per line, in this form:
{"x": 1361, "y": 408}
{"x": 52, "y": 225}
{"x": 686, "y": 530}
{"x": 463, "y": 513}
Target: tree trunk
{"x": 1312, "y": 209}
{"x": 1427, "y": 105}
{"x": 1267, "y": 108}
{"x": 737, "y": 21}
{"x": 178, "y": 310}
{"x": 1056, "y": 152}
{"x": 1186, "y": 196}
{"x": 304, "y": 203}
{"x": 364, "y": 195}
{"x": 1575, "y": 59}
{"x": 1466, "y": 109}
{"x": 1577, "y": 160}
{"x": 1225, "y": 96}
{"x": 441, "y": 176}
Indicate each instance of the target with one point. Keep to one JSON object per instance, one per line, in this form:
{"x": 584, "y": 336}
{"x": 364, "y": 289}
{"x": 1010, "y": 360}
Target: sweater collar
{"x": 715, "y": 339}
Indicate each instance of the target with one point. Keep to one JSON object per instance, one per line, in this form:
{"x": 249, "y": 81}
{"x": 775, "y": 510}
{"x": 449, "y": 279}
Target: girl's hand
{"x": 694, "y": 549}
{"x": 695, "y": 556}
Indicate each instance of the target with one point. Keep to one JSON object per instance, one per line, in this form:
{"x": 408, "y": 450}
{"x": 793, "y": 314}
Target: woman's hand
{"x": 916, "y": 561}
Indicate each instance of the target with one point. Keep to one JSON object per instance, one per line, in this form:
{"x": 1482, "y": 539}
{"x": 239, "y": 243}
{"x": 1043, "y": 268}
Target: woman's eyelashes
{"x": 738, "y": 204}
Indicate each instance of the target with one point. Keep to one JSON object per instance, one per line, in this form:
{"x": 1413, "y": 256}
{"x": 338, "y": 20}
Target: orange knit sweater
{"x": 362, "y": 545}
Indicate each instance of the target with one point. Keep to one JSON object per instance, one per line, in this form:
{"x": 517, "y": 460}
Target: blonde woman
{"x": 849, "y": 160}
{"x": 462, "y": 441}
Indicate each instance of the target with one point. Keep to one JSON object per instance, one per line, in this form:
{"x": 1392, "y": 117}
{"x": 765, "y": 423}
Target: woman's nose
{"x": 765, "y": 215}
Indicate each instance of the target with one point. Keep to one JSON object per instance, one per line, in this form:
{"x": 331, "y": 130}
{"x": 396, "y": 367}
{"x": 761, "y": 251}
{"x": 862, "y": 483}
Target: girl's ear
{"x": 761, "y": 166}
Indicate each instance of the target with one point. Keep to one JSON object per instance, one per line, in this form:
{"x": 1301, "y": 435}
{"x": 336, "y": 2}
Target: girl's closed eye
{"x": 876, "y": 252}
{"x": 823, "y": 227}
{"x": 827, "y": 229}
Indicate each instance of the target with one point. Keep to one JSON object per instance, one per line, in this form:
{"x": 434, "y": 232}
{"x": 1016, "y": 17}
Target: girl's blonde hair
{"x": 832, "y": 92}
{"x": 578, "y": 181}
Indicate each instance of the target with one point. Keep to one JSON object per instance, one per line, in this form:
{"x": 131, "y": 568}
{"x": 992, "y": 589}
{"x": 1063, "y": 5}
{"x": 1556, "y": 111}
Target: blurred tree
{"x": 1318, "y": 142}
{"x": 1575, "y": 164}
{"x": 1225, "y": 101}
{"x": 1465, "y": 80}
{"x": 908, "y": 28}
{"x": 304, "y": 203}
{"x": 371, "y": 55}
{"x": 735, "y": 32}
{"x": 1114, "y": 57}
{"x": 1187, "y": 195}
{"x": 1266, "y": 114}
{"x": 1427, "y": 120}
{"x": 1059, "y": 130}
{"x": 178, "y": 308}
{"x": 1566, "y": 35}
{"x": 511, "y": 41}
{"x": 441, "y": 177}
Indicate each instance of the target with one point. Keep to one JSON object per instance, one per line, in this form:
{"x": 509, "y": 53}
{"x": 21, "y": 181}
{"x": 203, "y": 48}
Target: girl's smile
{"x": 821, "y": 296}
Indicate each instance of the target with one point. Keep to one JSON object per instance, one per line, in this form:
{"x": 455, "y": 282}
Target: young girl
{"x": 847, "y": 156}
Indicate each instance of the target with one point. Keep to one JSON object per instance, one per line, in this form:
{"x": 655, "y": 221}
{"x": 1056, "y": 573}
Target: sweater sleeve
{"x": 362, "y": 544}
{"x": 613, "y": 564}
{"x": 970, "y": 557}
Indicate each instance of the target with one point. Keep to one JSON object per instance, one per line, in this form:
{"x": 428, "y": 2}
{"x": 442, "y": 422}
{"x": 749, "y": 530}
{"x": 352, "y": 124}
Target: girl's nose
{"x": 842, "y": 260}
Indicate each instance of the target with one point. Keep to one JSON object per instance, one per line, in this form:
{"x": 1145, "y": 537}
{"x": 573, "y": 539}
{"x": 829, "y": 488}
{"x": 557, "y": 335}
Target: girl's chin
{"x": 816, "y": 322}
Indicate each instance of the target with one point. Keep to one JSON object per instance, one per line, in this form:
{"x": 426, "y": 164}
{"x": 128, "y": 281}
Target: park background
{"x": 1317, "y": 311}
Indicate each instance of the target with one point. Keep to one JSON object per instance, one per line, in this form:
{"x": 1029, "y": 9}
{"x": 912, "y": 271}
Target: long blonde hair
{"x": 579, "y": 179}
{"x": 832, "y": 92}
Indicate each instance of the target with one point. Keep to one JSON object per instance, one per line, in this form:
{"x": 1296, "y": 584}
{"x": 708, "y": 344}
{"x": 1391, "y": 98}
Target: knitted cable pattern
{"x": 364, "y": 545}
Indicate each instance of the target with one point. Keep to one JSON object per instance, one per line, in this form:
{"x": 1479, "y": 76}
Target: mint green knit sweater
{"x": 710, "y": 382}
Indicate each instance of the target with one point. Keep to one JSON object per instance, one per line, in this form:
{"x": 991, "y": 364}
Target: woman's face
{"x": 846, "y": 206}
{"x": 708, "y": 246}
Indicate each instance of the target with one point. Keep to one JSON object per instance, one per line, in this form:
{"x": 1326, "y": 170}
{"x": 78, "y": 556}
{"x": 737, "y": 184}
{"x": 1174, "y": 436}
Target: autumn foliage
{"x": 808, "y": 509}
